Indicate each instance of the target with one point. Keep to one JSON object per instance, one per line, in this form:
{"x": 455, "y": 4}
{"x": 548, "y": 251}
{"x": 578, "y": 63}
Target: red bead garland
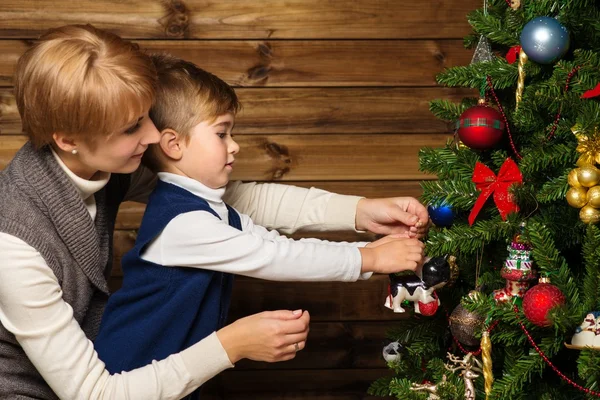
{"x": 555, "y": 124}
{"x": 512, "y": 144}
{"x": 556, "y": 119}
{"x": 547, "y": 360}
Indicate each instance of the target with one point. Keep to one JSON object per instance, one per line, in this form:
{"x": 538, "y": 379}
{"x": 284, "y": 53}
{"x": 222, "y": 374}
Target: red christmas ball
{"x": 539, "y": 300}
{"x": 480, "y": 127}
{"x": 428, "y": 309}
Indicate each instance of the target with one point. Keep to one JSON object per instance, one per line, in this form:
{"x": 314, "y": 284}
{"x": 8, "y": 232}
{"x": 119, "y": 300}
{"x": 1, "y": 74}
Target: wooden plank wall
{"x": 335, "y": 95}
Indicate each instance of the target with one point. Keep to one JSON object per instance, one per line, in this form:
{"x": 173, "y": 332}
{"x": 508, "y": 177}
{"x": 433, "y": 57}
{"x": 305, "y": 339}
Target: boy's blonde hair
{"x": 186, "y": 95}
{"x": 83, "y": 82}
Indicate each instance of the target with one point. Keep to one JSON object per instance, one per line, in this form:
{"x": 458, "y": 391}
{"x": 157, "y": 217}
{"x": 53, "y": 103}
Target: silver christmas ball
{"x": 391, "y": 352}
{"x": 545, "y": 40}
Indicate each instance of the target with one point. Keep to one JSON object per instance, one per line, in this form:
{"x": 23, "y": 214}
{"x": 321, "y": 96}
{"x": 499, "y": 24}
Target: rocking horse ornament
{"x": 420, "y": 289}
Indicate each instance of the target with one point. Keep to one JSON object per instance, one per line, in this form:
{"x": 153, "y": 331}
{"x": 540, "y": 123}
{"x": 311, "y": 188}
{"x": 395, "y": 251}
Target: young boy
{"x": 178, "y": 277}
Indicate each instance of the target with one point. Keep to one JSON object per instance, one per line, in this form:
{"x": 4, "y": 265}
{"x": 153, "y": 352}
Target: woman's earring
{"x": 74, "y": 151}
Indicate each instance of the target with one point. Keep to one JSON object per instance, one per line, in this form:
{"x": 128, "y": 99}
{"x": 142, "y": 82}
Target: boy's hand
{"x": 391, "y": 254}
{"x": 269, "y": 336}
{"x": 395, "y": 215}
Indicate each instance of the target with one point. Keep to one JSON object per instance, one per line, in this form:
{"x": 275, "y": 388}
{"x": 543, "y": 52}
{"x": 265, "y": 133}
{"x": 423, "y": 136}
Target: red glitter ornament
{"x": 429, "y": 309}
{"x": 539, "y": 300}
{"x": 480, "y": 127}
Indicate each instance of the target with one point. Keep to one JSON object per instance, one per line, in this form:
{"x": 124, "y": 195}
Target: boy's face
{"x": 209, "y": 155}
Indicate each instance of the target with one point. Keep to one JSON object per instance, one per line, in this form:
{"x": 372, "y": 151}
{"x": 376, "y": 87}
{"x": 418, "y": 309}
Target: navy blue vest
{"x": 162, "y": 310}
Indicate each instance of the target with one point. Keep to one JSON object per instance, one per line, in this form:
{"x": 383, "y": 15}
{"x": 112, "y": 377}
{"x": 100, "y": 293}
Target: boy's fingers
{"x": 403, "y": 216}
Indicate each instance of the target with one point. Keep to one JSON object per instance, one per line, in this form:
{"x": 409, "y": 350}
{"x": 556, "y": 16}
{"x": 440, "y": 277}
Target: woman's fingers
{"x": 295, "y": 326}
{"x": 290, "y": 340}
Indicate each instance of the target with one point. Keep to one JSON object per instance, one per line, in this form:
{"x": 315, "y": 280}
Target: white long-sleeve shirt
{"x": 199, "y": 239}
{"x": 32, "y": 307}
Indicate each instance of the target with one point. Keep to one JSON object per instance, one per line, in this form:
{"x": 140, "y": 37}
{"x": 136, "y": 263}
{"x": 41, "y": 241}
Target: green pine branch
{"x": 447, "y": 163}
{"x": 448, "y": 111}
{"x": 591, "y": 256}
{"x": 467, "y": 240}
{"x": 513, "y": 381}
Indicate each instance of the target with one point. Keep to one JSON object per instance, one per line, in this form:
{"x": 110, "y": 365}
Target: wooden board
{"x": 345, "y": 345}
{"x": 295, "y": 63}
{"x": 313, "y": 157}
{"x": 316, "y": 111}
{"x": 326, "y": 301}
{"x": 314, "y": 384}
{"x": 130, "y": 213}
{"x": 227, "y": 19}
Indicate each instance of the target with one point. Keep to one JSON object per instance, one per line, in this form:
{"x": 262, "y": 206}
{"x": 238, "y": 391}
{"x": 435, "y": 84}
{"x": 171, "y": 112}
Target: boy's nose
{"x": 234, "y": 148}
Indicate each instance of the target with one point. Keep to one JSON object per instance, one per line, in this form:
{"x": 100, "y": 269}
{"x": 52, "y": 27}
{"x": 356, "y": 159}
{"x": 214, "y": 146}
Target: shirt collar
{"x": 193, "y": 186}
{"x": 85, "y": 188}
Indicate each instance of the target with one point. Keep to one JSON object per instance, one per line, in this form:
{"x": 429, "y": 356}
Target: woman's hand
{"x": 404, "y": 216}
{"x": 269, "y": 336}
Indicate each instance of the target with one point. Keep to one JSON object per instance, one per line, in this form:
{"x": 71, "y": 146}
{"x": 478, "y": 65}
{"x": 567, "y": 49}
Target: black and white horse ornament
{"x": 434, "y": 274}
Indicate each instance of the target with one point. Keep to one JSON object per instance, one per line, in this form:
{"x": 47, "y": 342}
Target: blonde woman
{"x": 83, "y": 95}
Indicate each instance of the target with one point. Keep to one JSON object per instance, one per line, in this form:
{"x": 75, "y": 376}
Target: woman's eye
{"x": 133, "y": 129}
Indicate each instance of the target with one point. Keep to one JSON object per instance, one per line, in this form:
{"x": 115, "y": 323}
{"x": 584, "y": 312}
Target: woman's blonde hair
{"x": 186, "y": 95}
{"x": 84, "y": 82}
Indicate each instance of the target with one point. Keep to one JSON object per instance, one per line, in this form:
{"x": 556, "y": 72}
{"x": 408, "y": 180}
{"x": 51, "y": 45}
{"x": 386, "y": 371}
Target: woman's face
{"x": 120, "y": 152}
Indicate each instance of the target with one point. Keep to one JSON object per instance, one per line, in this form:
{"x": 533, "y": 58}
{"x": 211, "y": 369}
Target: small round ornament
{"x": 480, "y": 127}
{"x": 577, "y": 197}
{"x": 588, "y": 175}
{"x": 589, "y": 215}
{"x": 428, "y": 309}
{"x": 573, "y": 182}
{"x": 442, "y": 216}
{"x": 545, "y": 40}
{"x": 464, "y": 324}
{"x": 539, "y": 300}
{"x": 392, "y": 351}
{"x": 593, "y": 197}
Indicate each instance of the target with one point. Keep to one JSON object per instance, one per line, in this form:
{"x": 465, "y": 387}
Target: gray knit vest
{"x": 40, "y": 205}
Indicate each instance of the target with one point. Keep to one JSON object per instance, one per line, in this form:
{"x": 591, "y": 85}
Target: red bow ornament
{"x": 485, "y": 180}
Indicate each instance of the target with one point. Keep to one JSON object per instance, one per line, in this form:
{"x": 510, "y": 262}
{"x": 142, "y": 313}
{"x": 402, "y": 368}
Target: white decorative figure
{"x": 587, "y": 335}
{"x": 419, "y": 288}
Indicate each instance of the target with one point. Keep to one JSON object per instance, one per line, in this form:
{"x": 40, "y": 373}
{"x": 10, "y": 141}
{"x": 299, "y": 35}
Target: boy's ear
{"x": 171, "y": 143}
{"x": 64, "y": 142}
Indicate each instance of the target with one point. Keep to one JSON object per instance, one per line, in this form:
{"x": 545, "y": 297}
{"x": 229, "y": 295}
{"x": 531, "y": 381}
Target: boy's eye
{"x": 222, "y": 135}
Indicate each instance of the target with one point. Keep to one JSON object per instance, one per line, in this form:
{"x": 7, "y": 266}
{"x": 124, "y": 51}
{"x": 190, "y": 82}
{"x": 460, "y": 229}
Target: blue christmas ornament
{"x": 441, "y": 216}
{"x": 544, "y": 40}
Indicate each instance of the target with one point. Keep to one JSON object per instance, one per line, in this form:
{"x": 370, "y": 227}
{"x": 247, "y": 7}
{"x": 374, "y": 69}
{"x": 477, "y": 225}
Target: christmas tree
{"x": 516, "y": 203}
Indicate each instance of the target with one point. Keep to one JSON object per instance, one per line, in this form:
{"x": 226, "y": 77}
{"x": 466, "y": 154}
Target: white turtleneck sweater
{"x": 32, "y": 308}
{"x": 199, "y": 239}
